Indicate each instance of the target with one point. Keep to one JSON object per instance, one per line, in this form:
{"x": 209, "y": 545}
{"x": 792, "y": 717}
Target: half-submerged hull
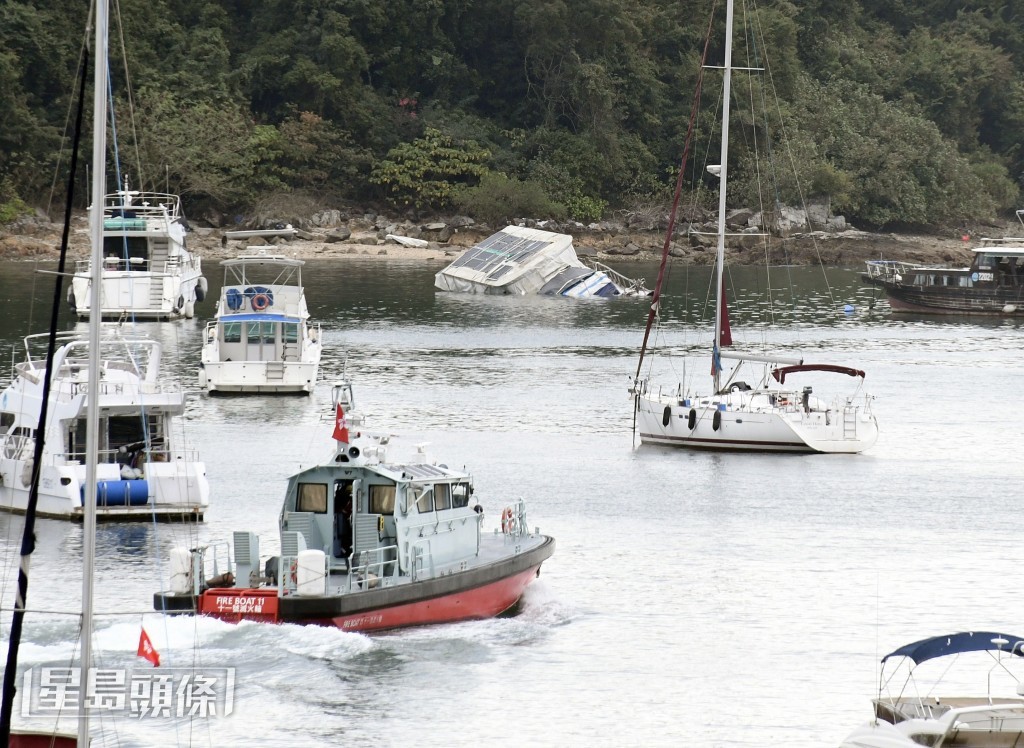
{"x": 754, "y": 424}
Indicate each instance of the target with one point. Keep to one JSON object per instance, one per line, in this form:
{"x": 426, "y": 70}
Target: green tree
{"x": 428, "y": 172}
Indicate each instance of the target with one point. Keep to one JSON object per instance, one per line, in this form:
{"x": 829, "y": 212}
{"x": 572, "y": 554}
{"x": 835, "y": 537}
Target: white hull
{"x": 142, "y": 471}
{"x": 750, "y": 422}
{"x": 174, "y": 490}
{"x": 147, "y": 272}
{"x": 141, "y": 295}
{"x": 260, "y": 376}
{"x": 261, "y": 340}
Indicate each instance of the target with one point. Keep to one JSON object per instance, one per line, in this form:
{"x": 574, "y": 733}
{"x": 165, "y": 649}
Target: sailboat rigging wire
{"x": 28, "y": 540}
{"x": 792, "y": 163}
{"x": 656, "y": 296}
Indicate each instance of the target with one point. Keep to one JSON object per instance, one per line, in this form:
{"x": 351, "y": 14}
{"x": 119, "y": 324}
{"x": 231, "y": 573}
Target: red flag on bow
{"x": 146, "y": 649}
{"x": 340, "y": 426}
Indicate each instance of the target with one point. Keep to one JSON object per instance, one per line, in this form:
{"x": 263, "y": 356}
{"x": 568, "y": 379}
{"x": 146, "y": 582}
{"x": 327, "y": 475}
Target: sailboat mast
{"x": 723, "y": 182}
{"x": 92, "y": 416}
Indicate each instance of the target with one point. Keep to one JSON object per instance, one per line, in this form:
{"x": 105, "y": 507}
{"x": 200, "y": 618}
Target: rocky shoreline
{"x": 333, "y": 235}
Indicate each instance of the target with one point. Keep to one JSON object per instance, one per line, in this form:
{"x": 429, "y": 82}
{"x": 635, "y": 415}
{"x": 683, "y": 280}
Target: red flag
{"x": 340, "y": 426}
{"x": 146, "y": 649}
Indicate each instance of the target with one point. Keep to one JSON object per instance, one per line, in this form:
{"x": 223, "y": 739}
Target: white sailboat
{"x": 749, "y": 407}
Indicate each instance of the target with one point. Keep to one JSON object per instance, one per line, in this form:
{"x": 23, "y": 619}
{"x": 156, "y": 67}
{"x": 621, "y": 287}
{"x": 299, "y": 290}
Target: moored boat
{"x": 748, "y": 406}
{"x": 147, "y": 271}
{"x": 908, "y": 712}
{"x": 993, "y": 284}
{"x": 144, "y": 472}
{"x": 262, "y": 340}
{"x": 367, "y": 543}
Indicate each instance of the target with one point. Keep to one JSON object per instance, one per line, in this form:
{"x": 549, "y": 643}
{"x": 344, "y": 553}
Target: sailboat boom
{"x": 737, "y": 356}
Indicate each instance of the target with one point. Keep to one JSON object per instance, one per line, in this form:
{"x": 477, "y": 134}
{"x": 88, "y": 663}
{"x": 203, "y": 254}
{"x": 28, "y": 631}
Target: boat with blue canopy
{"x": 262, "y": 340}
{"x": 907, "y": 711}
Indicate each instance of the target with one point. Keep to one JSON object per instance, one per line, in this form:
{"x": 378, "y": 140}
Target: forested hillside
{"x": 902, "y": 111}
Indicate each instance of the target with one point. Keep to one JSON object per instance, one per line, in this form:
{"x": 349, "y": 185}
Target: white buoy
{"x": 1009, "y": 309}
{"x": 181, "y": 571}
{"x": 190, "y": 309}
{"x": 311, "y": 573}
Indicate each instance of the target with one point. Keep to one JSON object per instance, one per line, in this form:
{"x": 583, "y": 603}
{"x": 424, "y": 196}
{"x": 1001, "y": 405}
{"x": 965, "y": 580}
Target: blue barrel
{"x": 121, "y": 492}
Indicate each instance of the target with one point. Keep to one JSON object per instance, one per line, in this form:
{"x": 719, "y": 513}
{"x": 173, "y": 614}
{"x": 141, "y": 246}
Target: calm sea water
{"x": 694, "y": 598}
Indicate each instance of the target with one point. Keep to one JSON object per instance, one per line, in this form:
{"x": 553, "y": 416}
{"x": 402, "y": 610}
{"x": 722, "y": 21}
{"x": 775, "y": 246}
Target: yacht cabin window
{"x": 311, "y": 497}
{"x": 232, "y": 332}
{"x": 6, "y": 421}
{"x": 290, "y": 332}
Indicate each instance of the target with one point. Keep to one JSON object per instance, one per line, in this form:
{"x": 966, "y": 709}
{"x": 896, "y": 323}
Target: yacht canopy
{"x": 780, "y": 374}
{"x": 965, "y": 641}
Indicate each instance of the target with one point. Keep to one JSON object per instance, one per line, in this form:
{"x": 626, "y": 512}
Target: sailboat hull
{"x": 752, "y": 424}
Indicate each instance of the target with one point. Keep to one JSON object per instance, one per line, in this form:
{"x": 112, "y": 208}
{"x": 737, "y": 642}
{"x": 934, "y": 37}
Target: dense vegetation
{"x": 901, "y": 111}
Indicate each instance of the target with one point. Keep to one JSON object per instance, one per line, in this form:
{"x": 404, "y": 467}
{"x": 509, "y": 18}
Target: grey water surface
{"x": 694, "y": 598}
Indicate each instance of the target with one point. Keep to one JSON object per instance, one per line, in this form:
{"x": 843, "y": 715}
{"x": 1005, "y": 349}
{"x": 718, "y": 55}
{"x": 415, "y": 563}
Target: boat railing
{"x": 888, "y": 270}
{"x": 133, "y": 204}
{"x": 69, "y": 390}
{"x": 137, "y": 459}
{"x": 513, "y": 521}
{"x": 377, "y": 567}
{"x": 214, "y": 555}
{"x": 633, "y": 286}
{"x": 421, "y": 558}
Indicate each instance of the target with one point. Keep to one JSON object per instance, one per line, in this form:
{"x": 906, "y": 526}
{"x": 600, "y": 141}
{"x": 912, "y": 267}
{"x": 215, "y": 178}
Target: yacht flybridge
{"x": 147, "y": 270}
{"x": 262, "y": 340}
{"x": 145, "y": 471}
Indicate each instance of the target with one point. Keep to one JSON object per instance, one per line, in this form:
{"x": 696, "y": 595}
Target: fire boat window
{"x": 382, "y": 499}
{"x": 232, "y": 332}
{"x": 460, "y": 495}
{"x": 442, "y": 496}
{"x": 425, "y": 503}
{"x": 311, "y": 497}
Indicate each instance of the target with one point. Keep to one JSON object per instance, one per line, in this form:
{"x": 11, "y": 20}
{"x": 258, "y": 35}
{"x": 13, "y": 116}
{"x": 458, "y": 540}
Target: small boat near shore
{"x": 913, "y": 715}
{"x": 519, "y": 261}
{"x": 147, "y": 270}
{"x": 261, "y": 340}
{"x": 367, "y": 543}
{"x": 993, "y": 284}
{"x": 143, "y": 472}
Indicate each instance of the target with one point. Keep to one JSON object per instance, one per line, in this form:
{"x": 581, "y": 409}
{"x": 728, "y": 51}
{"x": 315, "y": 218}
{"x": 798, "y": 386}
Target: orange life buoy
{"x": 260, "y": 302}
{"x": 507, "y": 520}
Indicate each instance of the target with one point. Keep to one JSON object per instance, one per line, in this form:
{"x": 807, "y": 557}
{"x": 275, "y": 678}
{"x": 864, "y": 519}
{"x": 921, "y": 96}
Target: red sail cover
{"x": 726, "y": 331}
